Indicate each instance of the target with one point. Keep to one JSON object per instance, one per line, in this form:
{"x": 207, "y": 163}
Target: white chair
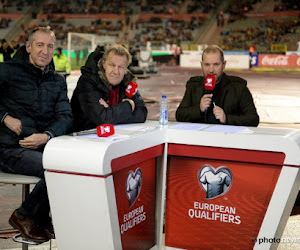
{"x": 25, "y": 181}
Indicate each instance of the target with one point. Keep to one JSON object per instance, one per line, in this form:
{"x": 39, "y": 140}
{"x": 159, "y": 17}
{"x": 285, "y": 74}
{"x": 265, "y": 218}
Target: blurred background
{"x": 165, "y": 28}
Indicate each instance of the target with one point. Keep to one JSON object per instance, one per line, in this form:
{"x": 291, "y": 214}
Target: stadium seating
{"x": 170, "y": 23}
{"x": 259, "y": 32}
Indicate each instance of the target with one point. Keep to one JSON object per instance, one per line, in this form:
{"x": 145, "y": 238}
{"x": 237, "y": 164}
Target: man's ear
{"x": 28, "y": 47}
{"x": 224, "y": 64}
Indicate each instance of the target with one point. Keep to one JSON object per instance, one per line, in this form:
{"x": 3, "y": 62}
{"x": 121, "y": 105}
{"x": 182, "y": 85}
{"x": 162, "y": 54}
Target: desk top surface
{"x": 92, "y": 155}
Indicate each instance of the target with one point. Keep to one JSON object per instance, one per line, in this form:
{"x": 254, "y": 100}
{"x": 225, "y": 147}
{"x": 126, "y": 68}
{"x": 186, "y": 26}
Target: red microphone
{"x": 131, "y": 89}
{"x": 105, "y": 130}
{"x": 209, "y": 84}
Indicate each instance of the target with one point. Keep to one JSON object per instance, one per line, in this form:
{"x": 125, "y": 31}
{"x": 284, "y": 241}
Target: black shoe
{"x": 27, "y": 228}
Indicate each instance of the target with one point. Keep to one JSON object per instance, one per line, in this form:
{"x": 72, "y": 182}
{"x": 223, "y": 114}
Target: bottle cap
{"x": 164, "y": 96}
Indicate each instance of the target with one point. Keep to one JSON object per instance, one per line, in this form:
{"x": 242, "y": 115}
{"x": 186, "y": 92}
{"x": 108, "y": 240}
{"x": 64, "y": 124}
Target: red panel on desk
{"x": 136, "y": 157}
{"x": 135, "y": 189}
{"x": 229, "y": 220}
{"x": 230, "y": 154}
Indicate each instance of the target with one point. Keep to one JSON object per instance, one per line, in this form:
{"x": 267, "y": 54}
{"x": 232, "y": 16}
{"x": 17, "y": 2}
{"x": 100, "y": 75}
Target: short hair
{"x": 41, "y": 29}
{"x": 118, "y": 50}
{"x": 213, "y": 49}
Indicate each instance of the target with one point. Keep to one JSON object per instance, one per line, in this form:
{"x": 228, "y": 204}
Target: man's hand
{"x": 13, "y": 124}
{"x": 131, "y": 103}
{"x": 205, "y": 102}
{"x": 103, "y": 103}
{"x": 34, "y": 141}
{"x": 220, "y": 114}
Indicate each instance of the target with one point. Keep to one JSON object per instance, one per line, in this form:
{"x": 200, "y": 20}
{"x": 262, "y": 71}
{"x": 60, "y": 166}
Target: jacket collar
{"x": 224, "y": 80}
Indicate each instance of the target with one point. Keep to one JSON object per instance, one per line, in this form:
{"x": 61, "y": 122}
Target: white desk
{"x": 87, "y": 178}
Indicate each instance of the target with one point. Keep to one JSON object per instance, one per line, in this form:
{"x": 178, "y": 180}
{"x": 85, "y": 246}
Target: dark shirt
{"x": 210, "y": 117}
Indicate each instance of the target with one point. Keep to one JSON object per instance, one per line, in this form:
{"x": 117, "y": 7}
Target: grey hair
{"x": 41, "y": 29}
{"x": 119, "y": 50}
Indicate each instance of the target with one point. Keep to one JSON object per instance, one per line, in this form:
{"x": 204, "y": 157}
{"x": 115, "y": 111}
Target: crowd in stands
{"x": 164, "y": 31}
{"x": 170, "y": 7}
{"x": 4, "y": 23}
{"x": 159, "y": 30}
{"x": 202, "y": 6}
{"x": 238, "y": 8}
{"x": 98, "y": 27}
{"x": 65, "y": 6}
{"x": 17, "y": 6}
{"x": 112, "y": 6}
{"x": 267, "y": 31}
{"x": 287, "y": 5}
{"x": 172, "y": 30}
{"x": 89, "y": 7}
{"x": 7, "y": 50}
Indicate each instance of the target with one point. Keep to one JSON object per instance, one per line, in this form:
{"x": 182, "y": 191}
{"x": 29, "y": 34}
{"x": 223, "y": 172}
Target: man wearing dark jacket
{"x": 34, "y": 107}
{"x": 99, "y": 96}
{"x": 229, "y": 103}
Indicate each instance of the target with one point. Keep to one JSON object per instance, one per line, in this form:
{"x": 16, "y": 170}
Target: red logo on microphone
{"x": 131, "y": 89}
{"x": 105, "y": 130}
{"x": 210, "y": 82}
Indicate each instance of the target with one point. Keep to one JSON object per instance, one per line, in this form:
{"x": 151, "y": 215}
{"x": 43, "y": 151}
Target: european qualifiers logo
{"x": 133, "y": 188}
{"x": 133, "y": 185}
{"x": 215, "y": 182}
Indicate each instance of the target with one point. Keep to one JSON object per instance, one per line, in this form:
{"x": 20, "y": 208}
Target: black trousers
{"x": 28, "y": 162}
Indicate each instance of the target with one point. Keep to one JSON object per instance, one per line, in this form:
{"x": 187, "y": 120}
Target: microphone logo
{"x": 131, "y": 89}
{"x": 128, "y": 88}
{"x": 105, "y": 130}
{"x": 209, "y": 82}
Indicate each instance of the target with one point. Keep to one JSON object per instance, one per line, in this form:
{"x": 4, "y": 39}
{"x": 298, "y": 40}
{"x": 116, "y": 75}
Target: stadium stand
{"x": 162, "y": 30}
{"x": 258, "y": 32}
{"x": 196, "y": 6}
{"x": 231, "y": 24}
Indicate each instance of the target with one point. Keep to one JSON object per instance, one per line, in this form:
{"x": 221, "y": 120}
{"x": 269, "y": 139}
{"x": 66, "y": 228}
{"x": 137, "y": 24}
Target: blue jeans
{"x": 28, "y": 162}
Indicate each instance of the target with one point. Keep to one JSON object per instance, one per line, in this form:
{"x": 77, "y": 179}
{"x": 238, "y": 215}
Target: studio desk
{"x": 173, "y": 187}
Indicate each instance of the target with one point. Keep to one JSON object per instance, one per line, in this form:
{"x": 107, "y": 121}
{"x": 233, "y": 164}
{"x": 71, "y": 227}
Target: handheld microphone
{"x": 105, "y": 130}
{"x": 209, "y": 84}
{"x": 131, "y": 89}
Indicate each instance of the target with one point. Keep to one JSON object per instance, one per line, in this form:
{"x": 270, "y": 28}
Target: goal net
{"x": 80, "y": 45}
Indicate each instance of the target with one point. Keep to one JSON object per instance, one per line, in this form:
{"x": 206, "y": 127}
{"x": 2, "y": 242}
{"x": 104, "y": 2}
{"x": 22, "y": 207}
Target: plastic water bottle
{"x": 163, "y": 110}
